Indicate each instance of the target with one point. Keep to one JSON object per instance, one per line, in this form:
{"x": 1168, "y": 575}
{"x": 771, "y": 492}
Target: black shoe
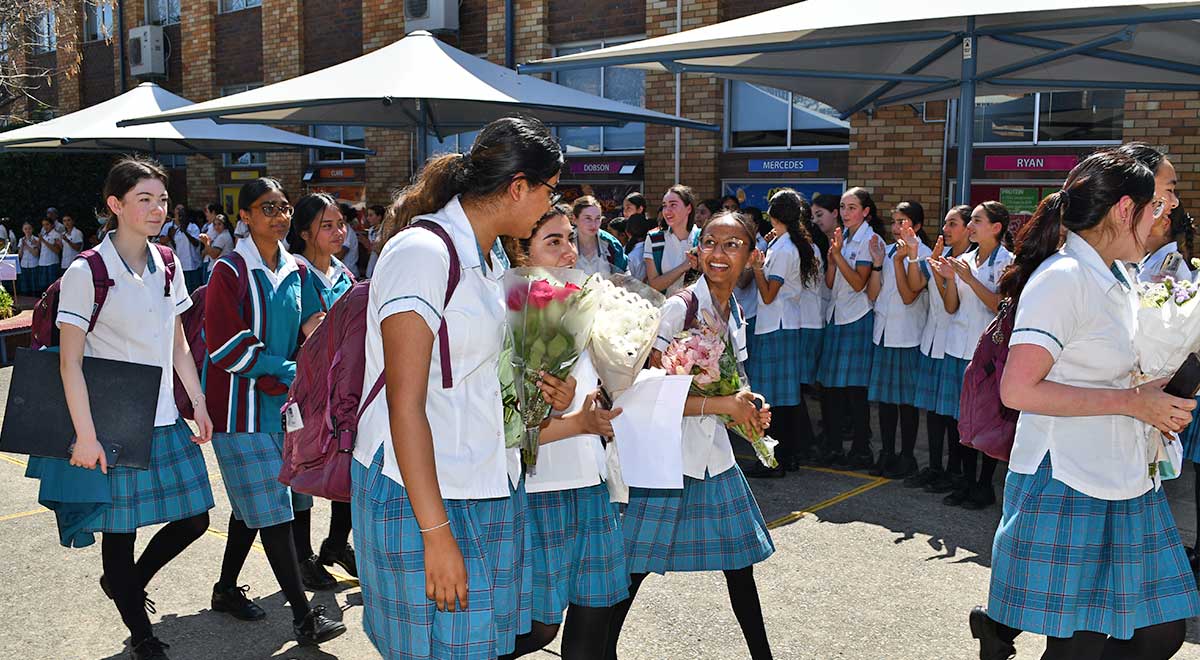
{"x": 809, "y": 456}
{"x": 923, "y": 478}
{"x": 832, "y": 459}
{"x": 957, "y": 497}
{"x": 991, "y": 647}
{"x": 314, "y": 576}
{"x": 316, "y": 628}
{"x": 104, "y": 586}
{"x": 233, "y": 601}
{"x": 343, "y": 557}
{"x": 151, "y": 648}
{"x": 790, "y": 464}
{"x": 760, "y": 471}
{"x": 860, "y": 459}
{"x": 882, "y": 465}
{"x": 902, "y": 468}
{"x": 980, "y": 497}
{"x": 945, "y": 483}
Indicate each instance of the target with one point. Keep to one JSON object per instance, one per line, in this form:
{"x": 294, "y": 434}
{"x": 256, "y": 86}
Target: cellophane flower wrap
{"x": 706, "y": 354}
{"x": 550, "y": 319}
{"x": 627, "y": 313}
{"x": 1168, "y": 329}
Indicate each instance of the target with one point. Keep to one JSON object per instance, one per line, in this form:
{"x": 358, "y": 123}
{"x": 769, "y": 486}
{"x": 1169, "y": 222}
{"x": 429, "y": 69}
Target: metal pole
{"x": 966, "y": 112}
{"x": 509, "y": 21}
{"x": 422, "y": 138}
{"x": 121, "y": 36}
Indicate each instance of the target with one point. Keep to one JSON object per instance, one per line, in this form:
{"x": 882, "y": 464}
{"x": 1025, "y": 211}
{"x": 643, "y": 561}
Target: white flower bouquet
{"x": 624, "y": 329}
{"x": 1168, "y": 329}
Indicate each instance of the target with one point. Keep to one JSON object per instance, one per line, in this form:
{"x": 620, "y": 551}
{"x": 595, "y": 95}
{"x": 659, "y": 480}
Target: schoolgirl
{"x": 50, "y": 256}
{"x": 938, "y": 400}
{"x": 439, "y": 508}
{"x": 968, "y": 287}
{"x": 705, "y": 210}
{"x": 137, "y": 323}
{"x": 217, "y": 242}
{"x": 670, "y": 253}
{"x": 1086, "y": 552}
{"x": 72, "y": 243}
{"x": 900, "y": 313}
{"x": 599, "y": 251}
{"x": 317, "y": 234}
{"x": 713, "y": 523}
{"x": 252, "y": 328}
{"x": 29, "y": 249}
{"x": 787, "y": 341}
{"x": 845, "y": 366}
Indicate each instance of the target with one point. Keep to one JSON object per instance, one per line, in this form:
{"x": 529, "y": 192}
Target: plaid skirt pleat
{"x": 949, "y": 382}
{"x": 1063, "y": 561}
{"x": 1191, "y": 439}
{"x": 893, "y": 375}
{"x": 46, "y": 276}
{"x": 250, "y": 464}
{"x": 710, "y": 524}
{"x": 846, "y": 353}
{"x": 774, "y": 367}
{"x": 578, "y": 551}
{"x": 174, "y": 487}
{"x": 398, "y": 618}
{"x": 27, "y": 281}
{"x": 925, "y": 385}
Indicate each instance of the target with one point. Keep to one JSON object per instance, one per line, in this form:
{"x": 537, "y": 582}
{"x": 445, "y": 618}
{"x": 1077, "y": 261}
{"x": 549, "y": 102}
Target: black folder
{"x": 123, "y": 396}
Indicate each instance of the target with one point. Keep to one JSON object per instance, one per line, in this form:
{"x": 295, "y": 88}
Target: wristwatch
{"x": 877, "y": 269}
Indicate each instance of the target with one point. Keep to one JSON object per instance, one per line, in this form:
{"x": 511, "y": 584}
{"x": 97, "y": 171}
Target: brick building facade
{"x": 901, "y": 152}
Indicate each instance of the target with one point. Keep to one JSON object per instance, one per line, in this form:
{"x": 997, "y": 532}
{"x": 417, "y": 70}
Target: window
{"x": 1089, "y": 116}
{"x": 453, "y": 144}
{"x": 163, "y": 12}
{"x": 97, "y": 20}
{"x": 353, "y": 136}
{"x": 173, "y": 161}
{"x": 616, "y": 83}
{"x": 45, "y": 36}
{"x": 245, "y": 158}
{"x": 238, "y": 5}
{"x": 763, "y": 117}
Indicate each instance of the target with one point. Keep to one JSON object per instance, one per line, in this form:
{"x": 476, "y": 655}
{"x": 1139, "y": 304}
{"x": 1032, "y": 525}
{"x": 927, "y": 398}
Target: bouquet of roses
{"x": 550, "y": 318}
{"x": 1168, "y": 329}
{"x": 623, "y": 333}
{"x": 706, "y": 354}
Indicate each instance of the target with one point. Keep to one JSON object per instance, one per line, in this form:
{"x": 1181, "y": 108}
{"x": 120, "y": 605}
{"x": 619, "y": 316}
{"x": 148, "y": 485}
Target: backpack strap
{"x": 692, "y": 307}
{"x": 168, "y": 259}
{"x": 100, "y": 282}
{"x": 658, "y": 244}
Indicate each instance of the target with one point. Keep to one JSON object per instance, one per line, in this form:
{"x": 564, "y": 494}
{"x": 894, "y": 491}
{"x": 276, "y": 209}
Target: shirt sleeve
{"x": 411, "y": 276}
{"x": 779, "y": 263}
{"x": 310, "y": 300}
{"x": 1048, "y": 312}
{"x": 179, "y": 292}
{"x": 76, "y": 296}
{"x": 670, "y": 322}
{"x": 648, "y": 254}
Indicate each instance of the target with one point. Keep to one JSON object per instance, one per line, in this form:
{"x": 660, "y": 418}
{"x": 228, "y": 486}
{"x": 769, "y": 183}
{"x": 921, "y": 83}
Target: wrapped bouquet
{"x": 1168, "y": 329}
{"x": 706, "y": 354}
{"x": 623, "y": 333}
{"x": 549, "y": 318}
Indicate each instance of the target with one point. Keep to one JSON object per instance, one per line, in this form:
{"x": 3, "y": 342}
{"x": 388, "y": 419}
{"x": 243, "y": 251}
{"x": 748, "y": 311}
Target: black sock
{"x": 619, "y": 612}
{"x": 831, "y": 415}
{"x": 585, "y": 631}
{"x": 1083, "y": 644}
{"x": 536, "y": 639}
{"x": 116, "y": 554}
{"x": 910, "y": 422}
{"x": 935, "y": 428}
{"x": 781, "y": 429}
{"x": 889, "y": 417}
{"x": 803, "y": 429}
{"x": 970, "y": 459}
{"x": 237, "y": 548}
{"x": 168, "y": 543}
{"x": 987, "y": 470}
{"x": 302, "y": 533}
{"x": 1158, "y": 642}
{"x": 339, "y": 525}
{"x": 859, "y": 413}
{"x": 957, "y": 450}
{"x": 281, "y": 553}
{"x": 743, "y": 596}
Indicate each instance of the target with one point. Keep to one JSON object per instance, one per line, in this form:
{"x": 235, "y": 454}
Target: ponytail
{"x": 789, "y": 208}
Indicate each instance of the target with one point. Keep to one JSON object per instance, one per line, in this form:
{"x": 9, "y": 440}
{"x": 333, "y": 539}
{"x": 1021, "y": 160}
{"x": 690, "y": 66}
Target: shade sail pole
{"x": 422, "y": 138}
{"x": 966, "y": 112}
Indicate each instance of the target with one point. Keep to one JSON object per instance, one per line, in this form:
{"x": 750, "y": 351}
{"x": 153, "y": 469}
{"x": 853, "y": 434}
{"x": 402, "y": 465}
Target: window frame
{"x": 153, "y": 19}
{"x": 313, "y": 155}
{"x": 1037, "y": 124}
{"x": 601, "y": 43}
{"x": 223, "y": 6}
{"x": 257, "y": 158}
{"x": 727, "y": 128}
{"x": 104, "y": 32}
{"x": 45, "y": 42}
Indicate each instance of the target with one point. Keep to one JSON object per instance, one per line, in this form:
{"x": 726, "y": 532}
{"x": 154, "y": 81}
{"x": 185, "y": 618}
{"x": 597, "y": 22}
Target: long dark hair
{"x": 998, "y": 213}
{"x": 915, "y": 212}
{"x": 309, "y": 209}
{"x": 1143, "y": 153}
{"x": 126, "y": 174}
{"x": 252, "y": 190}
{"x": 685, "y": 193}
{"x": 505, "y": 148}
{"x": 1090, "y": 191}
{"x": 868, "y": 203}
{"x": 790, "y": 209}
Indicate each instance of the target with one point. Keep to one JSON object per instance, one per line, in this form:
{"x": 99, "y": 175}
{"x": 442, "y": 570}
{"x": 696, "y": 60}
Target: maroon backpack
{"x": 984, "y": 422}
{"x": 44, "y": 329}
{"x": 328, "y": 388}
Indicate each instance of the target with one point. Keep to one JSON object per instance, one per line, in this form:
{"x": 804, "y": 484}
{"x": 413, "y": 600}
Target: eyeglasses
{"x": 1159, "y": 206}
{"x": 555, "y": 195}
{"x": 272, "y": 209}
{"x": 728, "y": 246}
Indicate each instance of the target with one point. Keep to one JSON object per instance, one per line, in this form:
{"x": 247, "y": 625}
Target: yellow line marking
{"x": 23, "y": 514}
{"x": 797, "y": 515}
{"x": 14, "y": 461}
{"x": 342, "y": 577}
{"x": 814, "y": 468}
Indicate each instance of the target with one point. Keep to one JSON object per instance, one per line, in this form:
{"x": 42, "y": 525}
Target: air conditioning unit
{"x": 431, "y": 15}
{"x": 147, "y": 54}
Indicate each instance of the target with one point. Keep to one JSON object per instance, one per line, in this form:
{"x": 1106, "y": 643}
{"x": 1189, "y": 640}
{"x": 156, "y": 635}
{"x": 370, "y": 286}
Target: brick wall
{"x": 583, "y": 20}
{"x": 173, "y": 35}
{"x": 44, "y": 89}
{"x": 68, "y": 58}
{"x": 284, "y": 20}
{"x": 199, "y": 84}
{"x": 239, "y": 47}
{"x": 390, "y": 168}
{"x": 1170, "y": 120}
{"x": 135, "y": 14}
{"x": 97, "y": 72}
{"x": 333, "y": 32}
{"x": 731, "y": 9}
{"x": 472, "y": 27}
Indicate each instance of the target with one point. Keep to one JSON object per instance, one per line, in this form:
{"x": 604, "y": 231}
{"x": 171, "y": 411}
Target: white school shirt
{"x": 674, "y": 253}
{"x": 136, "y": 323}
{"x": 594, "y": 265}
{"x": 189, "y": 255}
{"x": 28, "y": 258}
{"x": 973, "y": 317}
{"x": 223, "y": 242}
{"x": 705, "y": 440}
{"x": 7, "y": 234}
{"x": 351, "y": 245}
{"x": 747, "y": 296}
{"x": 467, "y": 421}
{"x": 48, "y": 256}
{"x": 898, "y": 325}
{"x": 637, "y": 262}
{"x": 69, "y": 253}
{"x": 578, "y": 461}
{"x": 847, "y": 305}
{"x": 327, "y": 282}
{"x": 1149, "y": 266}
{"x": 240, "y": 230}
{"x": 373, "y": 235}
{"x": 1085, "y": 315}
{"x": 797, "y": 305}
{"x": 937, "y": 321}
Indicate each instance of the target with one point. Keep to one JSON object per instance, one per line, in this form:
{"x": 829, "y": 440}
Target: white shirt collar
{"x": 116, "y": 263}
{"x": 339, "y": 270}
{"x": 1087, "y": 255}
{"x": 1158, "y": 255}
{"x": 249, "y": 251}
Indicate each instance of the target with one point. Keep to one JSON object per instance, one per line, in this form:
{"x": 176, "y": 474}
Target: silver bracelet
{"x": 703, "y": 402}
{"x": 435, "y": 527}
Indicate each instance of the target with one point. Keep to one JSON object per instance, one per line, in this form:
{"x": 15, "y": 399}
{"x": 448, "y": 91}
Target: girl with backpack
{"x": 938, "y": 399}
{"x": 968, "y": 286}
{"x": 137, "y": 322}
{"x": 670, "y": 252}
{"x": 252, "y": 326}
{"x": 29, "y": 248}
{"x": 439, "y": 505}
{"x": 845, "y": 366}
{"x": 49, "y": 257}
{"x": 599, "y": 251}
{"x": 317, "y": 234}
{"x": 1087, "y": 552}
{"x": 787, "y": 339}
{"x": 900, "y": 313}
{"x": 713, "y": 523}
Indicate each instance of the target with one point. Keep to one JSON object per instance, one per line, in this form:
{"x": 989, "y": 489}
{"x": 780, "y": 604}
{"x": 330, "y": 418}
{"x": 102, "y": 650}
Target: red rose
{"x": 541, "y": 293}
{"x": 516, "y": 297}
{"x": 564, "y": 292}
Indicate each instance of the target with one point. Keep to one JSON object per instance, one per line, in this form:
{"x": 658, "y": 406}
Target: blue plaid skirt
{"x": 250, "y": 464}
{"x": 781, "y": 362}
{"x": 846, "y": 353}
{"x": 194, "y": 279}
{"x": 1191, "y": 437}
{"x": 398, "y": 618}
{"x": 27, "y": 281}
{"x": 1063, "y": 561}
{"x": 949, "y": 385}
{"x": 893, "y": 375}
{"x": 925, "y": 386}
{"x": 710, "y": 524}
{"x": 174, "y": 487}
{"x": 46, "y": 276}
{"x": 578, "y": 551}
